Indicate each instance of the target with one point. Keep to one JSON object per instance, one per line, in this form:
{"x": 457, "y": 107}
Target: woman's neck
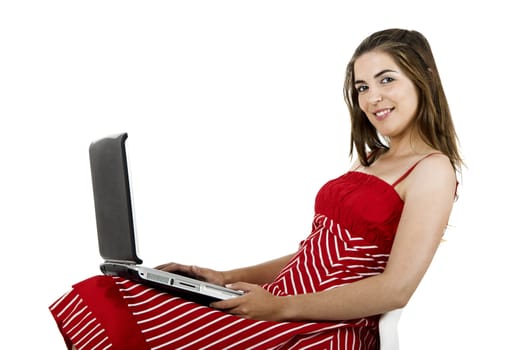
{"x": 408, "y": 145}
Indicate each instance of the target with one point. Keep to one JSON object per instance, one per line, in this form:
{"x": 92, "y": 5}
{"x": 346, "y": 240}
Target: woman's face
{"x": 386, "y": 95}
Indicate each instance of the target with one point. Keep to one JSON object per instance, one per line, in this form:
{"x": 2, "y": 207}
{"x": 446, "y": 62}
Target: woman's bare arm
{"x": 256, "y": 274}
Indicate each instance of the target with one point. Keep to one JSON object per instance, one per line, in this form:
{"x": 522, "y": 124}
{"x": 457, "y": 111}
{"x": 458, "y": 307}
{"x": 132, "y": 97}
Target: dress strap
{"x": 402, "y": 177}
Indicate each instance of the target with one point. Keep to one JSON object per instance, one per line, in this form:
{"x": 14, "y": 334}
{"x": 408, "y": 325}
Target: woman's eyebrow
{"x": 377, "y": 75}
{"x": 385, "y": 71}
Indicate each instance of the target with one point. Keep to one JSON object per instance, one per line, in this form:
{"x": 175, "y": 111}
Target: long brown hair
{"x": 412, "y": 53}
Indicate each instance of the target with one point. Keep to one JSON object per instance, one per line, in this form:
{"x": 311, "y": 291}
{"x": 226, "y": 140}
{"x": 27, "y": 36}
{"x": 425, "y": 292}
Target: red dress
{"x": 352, "y": 233}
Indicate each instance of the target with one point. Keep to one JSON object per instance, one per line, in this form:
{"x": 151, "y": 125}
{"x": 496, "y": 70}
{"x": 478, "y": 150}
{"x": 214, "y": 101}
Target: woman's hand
{"x": 256, "y": 303}
{"x": 200, "y": 273}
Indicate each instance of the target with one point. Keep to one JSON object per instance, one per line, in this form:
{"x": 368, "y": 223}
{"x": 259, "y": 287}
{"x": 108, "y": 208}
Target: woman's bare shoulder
{"x": 435, "y": 171}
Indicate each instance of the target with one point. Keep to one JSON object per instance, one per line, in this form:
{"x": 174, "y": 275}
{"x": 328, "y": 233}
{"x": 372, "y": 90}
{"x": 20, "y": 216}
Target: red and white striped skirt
{"x": 112, "y": 313}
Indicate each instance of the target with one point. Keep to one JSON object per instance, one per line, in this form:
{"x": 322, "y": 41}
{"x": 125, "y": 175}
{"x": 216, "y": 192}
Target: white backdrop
{"x": 235, "y": 115}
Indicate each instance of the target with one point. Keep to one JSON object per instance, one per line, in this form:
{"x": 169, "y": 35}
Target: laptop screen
{"x": 113, "y": 201}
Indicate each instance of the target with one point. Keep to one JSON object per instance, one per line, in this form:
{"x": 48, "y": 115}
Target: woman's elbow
{"x": 400, "y": 299}
{"x": 399, "y": 294}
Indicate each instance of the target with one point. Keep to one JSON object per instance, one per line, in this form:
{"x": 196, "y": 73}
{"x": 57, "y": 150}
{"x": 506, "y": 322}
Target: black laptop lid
{"x": 113, "y": 202}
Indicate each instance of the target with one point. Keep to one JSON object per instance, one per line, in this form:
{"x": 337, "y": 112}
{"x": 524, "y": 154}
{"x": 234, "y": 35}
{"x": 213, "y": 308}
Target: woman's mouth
{"x": 383, "y": 113}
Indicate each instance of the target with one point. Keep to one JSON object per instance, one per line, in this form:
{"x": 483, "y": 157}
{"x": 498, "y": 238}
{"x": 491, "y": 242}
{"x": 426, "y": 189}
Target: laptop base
{"x": 174, "y": 284}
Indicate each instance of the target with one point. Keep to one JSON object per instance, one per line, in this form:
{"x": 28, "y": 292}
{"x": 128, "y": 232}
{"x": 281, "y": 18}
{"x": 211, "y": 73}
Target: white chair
{"x": 388, "y": 332}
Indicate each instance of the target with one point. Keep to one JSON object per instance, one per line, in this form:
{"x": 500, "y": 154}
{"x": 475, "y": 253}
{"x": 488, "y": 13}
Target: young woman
{"x": 374, "y": 234}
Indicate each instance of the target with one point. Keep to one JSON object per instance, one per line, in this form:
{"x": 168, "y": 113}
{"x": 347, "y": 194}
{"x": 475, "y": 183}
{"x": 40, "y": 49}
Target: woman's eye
{"x": 387, "y": 80}
{"x": 361, "y": 88}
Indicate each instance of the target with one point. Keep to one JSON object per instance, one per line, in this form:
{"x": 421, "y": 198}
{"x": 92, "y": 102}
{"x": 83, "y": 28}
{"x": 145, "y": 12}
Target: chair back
{"x": 388, "y": 332}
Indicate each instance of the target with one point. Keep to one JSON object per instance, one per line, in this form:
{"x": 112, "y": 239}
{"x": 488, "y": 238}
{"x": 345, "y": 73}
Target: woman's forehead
{"x": 371, "y": 63}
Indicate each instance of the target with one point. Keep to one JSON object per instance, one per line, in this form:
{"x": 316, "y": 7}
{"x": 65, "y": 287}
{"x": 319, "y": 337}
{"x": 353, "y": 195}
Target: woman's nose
{"x": 374, "y": 97}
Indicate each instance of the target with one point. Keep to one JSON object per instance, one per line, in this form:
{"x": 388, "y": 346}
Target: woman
{"x": 374, "y": 234}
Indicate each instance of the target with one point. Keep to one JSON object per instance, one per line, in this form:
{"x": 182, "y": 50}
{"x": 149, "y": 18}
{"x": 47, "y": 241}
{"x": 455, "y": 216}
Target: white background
{"x": 236, "y": 118}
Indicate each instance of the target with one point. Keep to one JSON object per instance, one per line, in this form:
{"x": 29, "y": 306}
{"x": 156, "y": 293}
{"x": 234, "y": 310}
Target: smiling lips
{"x": 383, "y": 113}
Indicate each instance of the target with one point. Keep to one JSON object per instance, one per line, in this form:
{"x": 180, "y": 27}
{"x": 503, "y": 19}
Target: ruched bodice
{"x": 364, "y": 204}
{"x": 352, "y": 233}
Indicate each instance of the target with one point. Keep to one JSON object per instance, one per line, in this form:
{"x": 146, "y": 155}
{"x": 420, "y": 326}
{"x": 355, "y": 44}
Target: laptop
{"x": 116, "y": 231}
